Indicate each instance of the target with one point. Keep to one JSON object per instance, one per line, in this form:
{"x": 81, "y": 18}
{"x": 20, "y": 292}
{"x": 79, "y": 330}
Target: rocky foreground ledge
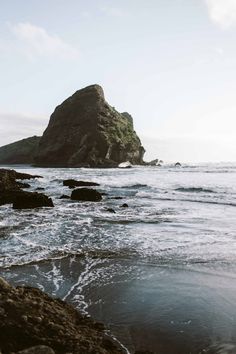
{"x": 32, "y": 322}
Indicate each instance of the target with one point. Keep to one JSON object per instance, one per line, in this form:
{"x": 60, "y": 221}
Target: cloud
{"x": 222, "y": 12}
{"x": 113, "y": 11}
{"x": 36, "y": 41}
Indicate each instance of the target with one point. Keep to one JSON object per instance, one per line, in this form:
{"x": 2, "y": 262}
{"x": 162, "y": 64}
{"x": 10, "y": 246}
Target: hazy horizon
{"x": 171, "y": 65}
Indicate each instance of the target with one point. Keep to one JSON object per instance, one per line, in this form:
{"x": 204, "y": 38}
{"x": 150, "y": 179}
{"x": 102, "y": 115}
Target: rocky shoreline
{"x": 12, "y": 191}
{"x": 30, "y": 318}
{"x": 32, "y": 322}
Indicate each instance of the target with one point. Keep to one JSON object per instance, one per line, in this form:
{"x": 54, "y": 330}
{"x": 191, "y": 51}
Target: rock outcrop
{"x": 20, "y": 152}
{"x": 86, "y": 131}
{"x": 11, "y": 192}
{"x": 86, "y": 194}
{"x": 30, "y": 200}
{"x": 30, "y": 318}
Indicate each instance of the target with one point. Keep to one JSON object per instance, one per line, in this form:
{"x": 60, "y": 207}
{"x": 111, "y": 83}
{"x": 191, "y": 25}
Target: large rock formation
{"x": 20, "y": 152}
{"x": 86, "y": 131}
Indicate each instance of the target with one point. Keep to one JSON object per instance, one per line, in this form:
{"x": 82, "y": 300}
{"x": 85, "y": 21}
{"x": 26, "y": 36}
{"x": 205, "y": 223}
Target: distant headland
{"x": 83, "y": 131}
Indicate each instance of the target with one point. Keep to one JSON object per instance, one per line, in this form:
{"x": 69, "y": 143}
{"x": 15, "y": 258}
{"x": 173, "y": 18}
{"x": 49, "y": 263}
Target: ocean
{"x": 160, "y": 273}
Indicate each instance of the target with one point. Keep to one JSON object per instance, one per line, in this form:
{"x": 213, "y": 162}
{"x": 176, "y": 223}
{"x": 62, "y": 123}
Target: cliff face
{"x": 86, "y": 131}
{"x": 20, "y": 152}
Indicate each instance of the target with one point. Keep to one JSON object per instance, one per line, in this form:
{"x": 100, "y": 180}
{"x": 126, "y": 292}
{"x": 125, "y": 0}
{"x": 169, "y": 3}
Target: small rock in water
{"x": 40, "y": 189}
{"x": 86, "y": 194}
{"x": 110, "y": 210}
{"x": 124, "y": 205}
{"x": 29, "y": 200}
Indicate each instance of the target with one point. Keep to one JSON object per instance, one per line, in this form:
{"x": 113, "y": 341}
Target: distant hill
{"x": 20, "y": 152}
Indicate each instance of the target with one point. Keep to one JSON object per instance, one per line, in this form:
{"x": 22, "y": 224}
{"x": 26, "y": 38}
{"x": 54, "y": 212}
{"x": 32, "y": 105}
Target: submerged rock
{"x": 124, "y": 205}
{"x": 29, "y": 200}
{"x": 33, "y": 322}
{"x": 177, "y": 164}
{"x": 86, "y": 194}
{"x": 110, "y": 210}
{"x": 86, "y": 131}
{"x": 64, "y": 196}
{"x": 20, "y": 152}
{"x": 73, "y": 183}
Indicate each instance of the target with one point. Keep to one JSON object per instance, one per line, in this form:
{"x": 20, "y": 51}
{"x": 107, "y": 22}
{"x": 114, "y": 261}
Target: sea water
{"x": 161, "y": 274}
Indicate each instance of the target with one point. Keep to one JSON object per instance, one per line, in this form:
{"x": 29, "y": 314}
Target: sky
{"x": 170, "y": 63}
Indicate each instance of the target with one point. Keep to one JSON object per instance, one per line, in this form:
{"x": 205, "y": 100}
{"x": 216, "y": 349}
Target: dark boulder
{"x": 86, "y": 194}
{"x": 124, "y": 205}
{"x": 86, "y": 131}
{"x": 72, "y": 183}
{"x": 29, "y": 318}
{"x": 29, "y": 200}
{"x": 177, "y": 164}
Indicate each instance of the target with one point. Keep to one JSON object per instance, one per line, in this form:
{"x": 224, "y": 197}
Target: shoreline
{"x": 31, "y": 318}
{"x": 159, "y": 273}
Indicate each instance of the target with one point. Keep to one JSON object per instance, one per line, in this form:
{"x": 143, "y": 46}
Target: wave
{"x": 198, "y": 201}
{"x": 138, "y": 185}
{"x": 59, "y": 255}
{"x": 143, "y": 220}
{"x": 194, "y": 190}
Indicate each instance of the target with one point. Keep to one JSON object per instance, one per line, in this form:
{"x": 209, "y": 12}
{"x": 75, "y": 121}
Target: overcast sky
{"x": 170, "y": 63}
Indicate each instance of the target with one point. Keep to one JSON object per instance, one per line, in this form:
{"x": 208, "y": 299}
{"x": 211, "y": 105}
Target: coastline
{"x": 159, "y": 273}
